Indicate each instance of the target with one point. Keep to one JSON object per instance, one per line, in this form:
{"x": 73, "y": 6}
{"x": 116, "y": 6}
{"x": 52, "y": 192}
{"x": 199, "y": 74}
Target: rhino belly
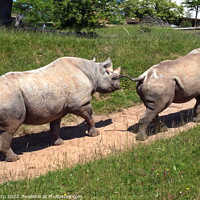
{"x": 37, "y": 114}
{"x": 182, "y": 96}
{"x": 42, "y": 110}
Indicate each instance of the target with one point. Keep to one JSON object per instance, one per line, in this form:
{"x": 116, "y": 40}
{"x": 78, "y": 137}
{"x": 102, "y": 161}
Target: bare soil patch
{"x": 117, "y": 133}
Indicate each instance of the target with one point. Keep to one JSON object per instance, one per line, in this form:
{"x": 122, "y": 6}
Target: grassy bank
{"x": 168, "y": 169}
{"x": 127, "y": 46}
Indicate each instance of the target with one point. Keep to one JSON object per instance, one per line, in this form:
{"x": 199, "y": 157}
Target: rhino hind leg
{"x": 54, "y": 132}
{"x": 196, "y": 117}
{"x": 159, "y": 125}
{"x": 86, "y": 113}
{"x": 144, "y": 122}
{"x": 150, "y": 116}
{"x": 5, "y": 146}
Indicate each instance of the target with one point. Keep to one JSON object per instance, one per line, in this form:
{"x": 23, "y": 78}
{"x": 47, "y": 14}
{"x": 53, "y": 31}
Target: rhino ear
{"x": 94, "y": 59}
{"x": 108, "y": 65}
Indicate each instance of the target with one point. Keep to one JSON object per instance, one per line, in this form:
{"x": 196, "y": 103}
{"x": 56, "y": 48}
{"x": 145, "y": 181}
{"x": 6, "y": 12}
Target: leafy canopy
{"x": 90, "y": 14}
{"x": 75, "y": 14}
{"x": 193, "y": 5}
{"x": 165, "y": 9}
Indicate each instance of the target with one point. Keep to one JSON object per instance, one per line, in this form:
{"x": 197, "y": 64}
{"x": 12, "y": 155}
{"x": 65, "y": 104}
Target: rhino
{"x": 47, "y": 94}
{"x": 176, "y": 81}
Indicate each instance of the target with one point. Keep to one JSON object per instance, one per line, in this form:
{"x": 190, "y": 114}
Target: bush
{"x": 186, "y": 23}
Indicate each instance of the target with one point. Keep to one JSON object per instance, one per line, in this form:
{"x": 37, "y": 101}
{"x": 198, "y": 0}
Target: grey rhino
{"x": 47, "y": 94}
{"x": 176, "y": 81}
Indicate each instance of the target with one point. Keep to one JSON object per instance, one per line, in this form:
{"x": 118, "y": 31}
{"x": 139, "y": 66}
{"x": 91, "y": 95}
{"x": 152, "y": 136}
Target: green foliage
{"x": 164, "y": 9}
{"x": 77, "y": 15}
{"x": 34, "y": 11}
{"x": 82, "y": 13}
{"x": 168, "y": 169}
{"x": 186, "y": 23}
{"x": 193, "y": 5}
{"x": 91, "y": 14}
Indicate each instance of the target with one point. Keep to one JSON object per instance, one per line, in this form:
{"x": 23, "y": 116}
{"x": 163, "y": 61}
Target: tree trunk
{"x": 197, "y": 11}
{"x": 5, "y": 12}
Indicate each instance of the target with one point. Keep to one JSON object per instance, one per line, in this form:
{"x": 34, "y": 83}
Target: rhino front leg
{"x": 144, "y": 122}
{"x": 86, "y": 113}
{"x": 5, "y": 146}
{"x": 196, "y": 117}
{"x": 55, "y": 131}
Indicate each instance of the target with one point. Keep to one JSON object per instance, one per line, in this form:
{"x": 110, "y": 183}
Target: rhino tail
{"x": 140, "y": 78}
{"x": 178, "y": 82}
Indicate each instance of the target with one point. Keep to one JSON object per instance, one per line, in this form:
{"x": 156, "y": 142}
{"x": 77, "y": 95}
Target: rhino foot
{"x": 12, "y": 158}
{"x": 59, "y": 141}
{"x": 141, "y": 137}
{"x": 93, "y": 132}
{"x": 161, "y": 129}
{"x": 196, "y": 119}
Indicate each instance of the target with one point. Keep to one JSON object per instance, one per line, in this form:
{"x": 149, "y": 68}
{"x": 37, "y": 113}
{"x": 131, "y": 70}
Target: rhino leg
{"x": 5, "y": 146}
{"x": 151, "y": 115}
{"x": 196, "y": 117}
{"x": 54, "y": 131}
{"x": 144, "y": 122}
{"x": 86, "y": 113}
{"x": 159, "y": 125}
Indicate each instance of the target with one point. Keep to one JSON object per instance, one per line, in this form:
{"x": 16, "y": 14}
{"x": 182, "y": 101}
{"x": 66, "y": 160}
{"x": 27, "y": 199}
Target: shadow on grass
{"x": 171, "y": 121}
{"x": 38, "y": 141}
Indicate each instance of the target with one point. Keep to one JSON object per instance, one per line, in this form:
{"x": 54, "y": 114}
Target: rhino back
{"x": 187, "y": 69}
{"x": 52, "y": 91}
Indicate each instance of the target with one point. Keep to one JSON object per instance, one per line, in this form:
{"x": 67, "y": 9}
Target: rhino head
{"x": 108, "y": 80}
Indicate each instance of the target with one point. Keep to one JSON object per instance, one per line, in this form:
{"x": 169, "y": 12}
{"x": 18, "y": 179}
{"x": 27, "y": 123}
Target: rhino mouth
{"x": 116, "y": 78}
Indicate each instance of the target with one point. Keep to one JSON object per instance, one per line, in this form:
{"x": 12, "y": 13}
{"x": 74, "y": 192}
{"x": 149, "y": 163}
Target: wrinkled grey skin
{"x": 47, "y": 94}
{"x": 176, "y": 81}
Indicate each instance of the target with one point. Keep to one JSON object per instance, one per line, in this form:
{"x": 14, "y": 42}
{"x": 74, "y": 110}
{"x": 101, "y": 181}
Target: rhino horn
{"x": 94, "y": 59}
{"x": 118, "y": 70}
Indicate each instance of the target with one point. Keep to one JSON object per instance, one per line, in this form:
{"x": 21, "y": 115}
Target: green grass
{"x": 168, "y": 169}
{"x": 135, "y": 51}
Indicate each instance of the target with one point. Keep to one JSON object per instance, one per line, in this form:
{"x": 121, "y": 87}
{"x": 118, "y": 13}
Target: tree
{"x": 74, "y": 14}
{"x": 34, "y": 11}
{"x": 164, "y": 9}
{"x": 5, "y": 12}
{"x": 80, "y": 14}
{"x": 195, "y": 6}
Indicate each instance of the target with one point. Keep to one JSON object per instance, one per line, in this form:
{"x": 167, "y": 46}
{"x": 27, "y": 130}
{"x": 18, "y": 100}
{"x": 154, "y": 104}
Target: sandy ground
{"x": 117, "y": 133}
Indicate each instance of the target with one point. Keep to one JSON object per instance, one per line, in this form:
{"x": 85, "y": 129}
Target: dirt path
{"x": 117, "y": 133}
